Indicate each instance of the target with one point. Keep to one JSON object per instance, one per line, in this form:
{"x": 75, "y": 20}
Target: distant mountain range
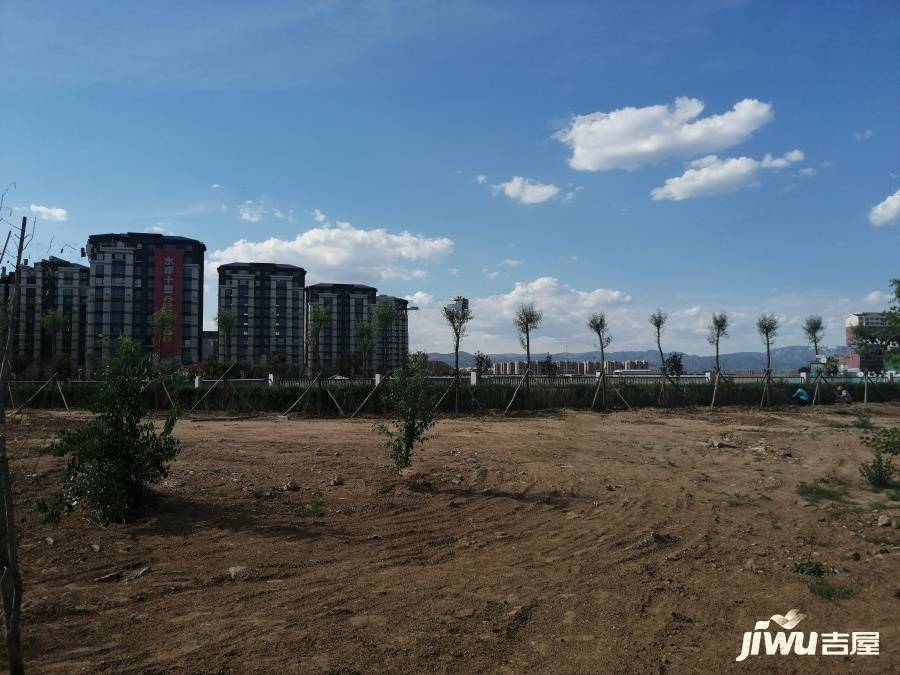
{"x": 783, "y": 359}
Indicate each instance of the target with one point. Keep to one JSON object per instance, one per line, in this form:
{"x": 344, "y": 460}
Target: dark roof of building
{"x": 147, "y": 237}
{"x": 397, "y": 301}
{"x": 341, "y": 287}
{"x": 264, "y": 266}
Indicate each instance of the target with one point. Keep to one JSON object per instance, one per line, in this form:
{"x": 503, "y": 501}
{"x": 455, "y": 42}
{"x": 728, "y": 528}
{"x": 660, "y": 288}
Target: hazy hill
{"x": 783, "y": 359}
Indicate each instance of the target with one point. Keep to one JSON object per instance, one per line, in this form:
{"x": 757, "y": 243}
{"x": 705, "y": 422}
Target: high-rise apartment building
{"x": 396, "y": 337}
{"x": 331, "y": 344}
{"x": 40, "y": 338}
{"x": 267, "y": 303}
{"x": 134, "y": 275}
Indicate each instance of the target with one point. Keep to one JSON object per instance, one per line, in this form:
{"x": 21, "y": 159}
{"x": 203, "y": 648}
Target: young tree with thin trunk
{"x": 718, "y": 328}
{"x": 767, "y": 325}
{"x": 814, "y": 329}
{"x": 457, "y": 315}
{"x": 225, "y": 322}
{"x": 318, "y": 317}
{"x": 383, "y": 318}
{"x": 526, "y": 320}
{"x": 364, "y": 332}
{"x": 52, "y": 322}
{"x": 597, "y": 324}
{"x": 658, "y": 321}
{"x": 163, "y": 320}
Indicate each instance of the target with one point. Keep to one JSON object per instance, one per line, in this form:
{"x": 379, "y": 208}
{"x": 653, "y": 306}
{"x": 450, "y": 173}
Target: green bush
{"x": 879, "y": 472}
{"x": 885, "y": 441}
{"x": 410, "y": 408}
{"x": 114, "y": 458}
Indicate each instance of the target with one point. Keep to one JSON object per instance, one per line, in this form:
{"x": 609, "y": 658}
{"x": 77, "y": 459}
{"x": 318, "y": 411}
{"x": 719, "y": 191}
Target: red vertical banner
{"x": 167, "y": 290}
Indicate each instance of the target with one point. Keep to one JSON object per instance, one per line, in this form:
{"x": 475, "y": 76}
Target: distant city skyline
{"x": 697, "y": 157}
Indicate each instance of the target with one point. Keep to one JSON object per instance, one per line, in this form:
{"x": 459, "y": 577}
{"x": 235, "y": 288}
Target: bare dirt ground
{"x": 567, "y": 543}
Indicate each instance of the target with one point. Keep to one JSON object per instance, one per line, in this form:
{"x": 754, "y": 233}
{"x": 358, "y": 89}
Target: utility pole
{"x": 11, "y": 582}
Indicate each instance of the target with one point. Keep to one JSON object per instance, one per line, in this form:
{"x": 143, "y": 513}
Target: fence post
{"x": 196, "y": 381}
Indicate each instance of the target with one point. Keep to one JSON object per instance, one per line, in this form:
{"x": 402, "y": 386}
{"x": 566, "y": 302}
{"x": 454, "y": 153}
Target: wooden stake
{"x": 212, "y": 387}
{"x": 309, "y": 386}
{"x": 366, "y": 400}
{"x": 509, "y": 405}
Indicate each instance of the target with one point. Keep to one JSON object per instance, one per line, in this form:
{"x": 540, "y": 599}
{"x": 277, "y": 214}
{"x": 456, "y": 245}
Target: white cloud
{"x": 491, "y": 275}
{"x": 807, "y": 172}
{"x": 884, "y": 213}
{"x": 710, "y": 175}
{"x": 420, "y": 299}
{"x": 318, "y": 216}
{"x": 481, "y": 179}
{"x": 863, "y": 135}
{"x": 453, "y": 271}
{"x": 251, "y": 211}
{"x": 215, "y": 186}
{"x": 526, "y": 190}
{"x": 511, "y": 262}
{"x": 630, "y": 137}
{"x": 693, "y": 311}
{"x": 160, "y": 228}
{"x": 565, "y": 312}
{"x": 50, "y": 212}
{"x": 341, "y": 254}
{"x": 769, "y": 162}
{"x": 879, "y": 298}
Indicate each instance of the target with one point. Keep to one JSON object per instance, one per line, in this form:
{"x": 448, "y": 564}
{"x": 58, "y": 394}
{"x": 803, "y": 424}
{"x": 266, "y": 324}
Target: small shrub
{"x": 885, "y": 441}
{"x": 809, "y": 568}
{"x": 879, "y": 472}
{"x": 410, "y": 409}
{"x": 863, "y": 422}
{"x": 829, "y": 592}
{"x": 113, "y": 458}
{"x": 816, "y": 492}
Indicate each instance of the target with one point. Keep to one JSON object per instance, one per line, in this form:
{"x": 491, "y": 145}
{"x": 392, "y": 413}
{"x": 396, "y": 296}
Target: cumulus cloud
{"x": 630, "y": 137}
{"x": 526, "y": 190}
{"x": 318, "y": 216}
{"x": 251, "y": 211}
{"x": 420, "y": 299}
{"x": 215, "y": 186}
{"x": 341, "y": 254}
{"x": 693, "y": 311}
{"x": 50, "y": 212}
{"x": 511, "y": 262}
{"x": 807, "y": 172}
{"x": 883, "y": 213}
{"x": 879, "y": 298}
{"x": 481, "y": 179}
{"x": 710, "y": 175}
{"x": 863, "y": 135}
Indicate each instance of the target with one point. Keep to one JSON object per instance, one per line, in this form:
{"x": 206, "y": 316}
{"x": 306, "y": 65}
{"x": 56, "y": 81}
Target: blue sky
{"x": 693, "y": 156}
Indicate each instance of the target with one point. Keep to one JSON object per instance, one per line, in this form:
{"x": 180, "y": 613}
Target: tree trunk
{"x": 456, "y": 374}
{"x": 717, "y": 356}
